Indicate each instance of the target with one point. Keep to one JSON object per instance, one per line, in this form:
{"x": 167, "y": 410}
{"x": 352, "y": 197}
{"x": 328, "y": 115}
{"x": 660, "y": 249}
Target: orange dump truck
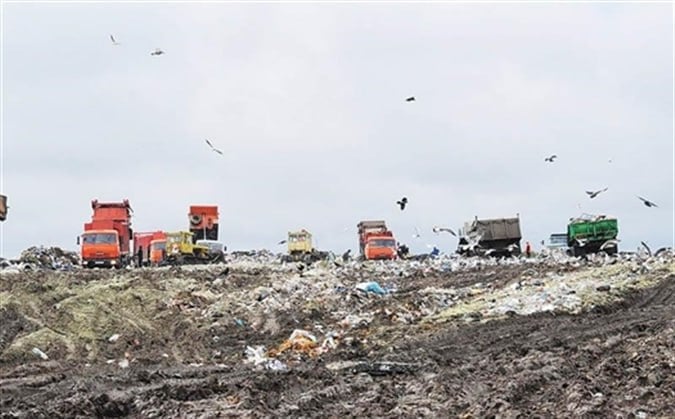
{"x": 376, "y": 241}
{"x": 106, "y": 239}
{"x": 142, "y": 243}
{"x": 203, "y": 222}
{"x": 158, "y": 249}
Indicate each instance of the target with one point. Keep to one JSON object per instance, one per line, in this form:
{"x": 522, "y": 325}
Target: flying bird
{"x": 410, "y": 99}
{"x": 157, "y": 51}
{"x": 402, "y": 203}
{"x": 213, "y": 148}
{"x": 112, "y": 38}
{"x": 417, "y": 233}
{"x": 437, "y": 230}
{"x": 647, "y": 202}
{"x": 281, "y": 242}
{"x": 593, "y": 194}
{"x": 551, "y": 158}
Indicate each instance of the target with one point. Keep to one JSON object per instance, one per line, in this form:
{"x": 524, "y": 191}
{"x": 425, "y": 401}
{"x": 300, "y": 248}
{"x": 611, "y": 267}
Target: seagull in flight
{"x": 402, "y": 203}
{"x": 593, "y": 194}
{"x": 281, "y": 242}
{"x": 437, "y": 230}
{"x": 417, "y": 233}
{"x": 647, "y": 202}
{"x": 112, "y": 38}
{"x": 410, "y": 99}
{"x": 157, "y": 51}
{"x": 213, "y": 148}
{"x": 551, "y": 158}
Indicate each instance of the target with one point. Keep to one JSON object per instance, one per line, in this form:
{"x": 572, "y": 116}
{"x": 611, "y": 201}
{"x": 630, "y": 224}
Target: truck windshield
{"x": 99, "y": 238}
{"x": 158, "y": 246}
{"x": 383, "y": 243}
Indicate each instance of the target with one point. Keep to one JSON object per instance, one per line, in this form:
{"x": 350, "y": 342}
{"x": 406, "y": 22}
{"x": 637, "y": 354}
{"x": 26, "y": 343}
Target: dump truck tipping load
{"x": 490, "y": 237}
{"x": 376, "y": 241}
{"x": 203, "y": 222}
{"x": 591, "y": 234}
{"x": 106, "y": 239}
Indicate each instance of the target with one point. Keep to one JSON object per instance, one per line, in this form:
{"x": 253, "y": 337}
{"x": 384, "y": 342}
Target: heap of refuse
{"x": 146, "y": 340}
{"x": 37, "y": 258}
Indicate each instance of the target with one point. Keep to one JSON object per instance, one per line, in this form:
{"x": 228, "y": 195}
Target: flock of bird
{"x": 404, "y": 200}
{"x": 593, "y": 194}
{"x": 550, "y": 159}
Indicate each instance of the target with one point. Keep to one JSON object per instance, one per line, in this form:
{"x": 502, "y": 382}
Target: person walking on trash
{"x": 528, "y": 249}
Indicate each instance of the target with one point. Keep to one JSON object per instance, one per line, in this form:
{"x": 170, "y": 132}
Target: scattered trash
{"x": 372, "y": 286}
{"x": 124, "y": 363}
{"x": 114, "y": 338}
{"x": 256, "y": 355}
{"x": 39, "y": 353}
{"x": 603, "y": 288}
{"x": 276, "y": 365}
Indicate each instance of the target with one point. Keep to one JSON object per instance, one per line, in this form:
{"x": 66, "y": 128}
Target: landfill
{"x": 450, "y": 336}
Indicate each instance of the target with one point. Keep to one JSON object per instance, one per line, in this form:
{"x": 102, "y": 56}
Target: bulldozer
{"x": 300, "y": 248}
{"x": 180, "y": 250}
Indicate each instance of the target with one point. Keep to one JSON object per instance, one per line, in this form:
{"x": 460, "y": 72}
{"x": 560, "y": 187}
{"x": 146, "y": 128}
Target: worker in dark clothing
{"x": 403, "y": 251}
{"x": 346, "y": 256}
{"x": 140, "y": 256}
{"x": 528, "y": 249}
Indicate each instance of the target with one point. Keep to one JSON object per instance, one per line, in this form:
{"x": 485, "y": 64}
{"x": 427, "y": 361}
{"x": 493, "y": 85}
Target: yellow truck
{"x": 300, "y": 248}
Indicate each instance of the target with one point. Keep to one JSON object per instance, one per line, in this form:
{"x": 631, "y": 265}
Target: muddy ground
{"x": 173, "y": 342}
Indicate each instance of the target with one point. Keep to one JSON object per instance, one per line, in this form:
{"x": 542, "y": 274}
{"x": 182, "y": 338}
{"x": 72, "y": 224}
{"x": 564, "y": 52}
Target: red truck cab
{"x": 376, "y": 241}
{"x": 106, "y": 239}
{"x": 100, "y": 248}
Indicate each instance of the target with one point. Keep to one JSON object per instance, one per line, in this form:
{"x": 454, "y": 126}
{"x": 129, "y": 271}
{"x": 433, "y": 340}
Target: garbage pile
{"x": 37, "y": 258}
{"x": 258, "y": 337}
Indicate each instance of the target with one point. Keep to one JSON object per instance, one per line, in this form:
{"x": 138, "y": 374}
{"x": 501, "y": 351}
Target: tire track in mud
{"x": 541, "y": 359}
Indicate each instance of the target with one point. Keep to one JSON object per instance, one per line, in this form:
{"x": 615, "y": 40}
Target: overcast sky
{"x": 308, "y": 104}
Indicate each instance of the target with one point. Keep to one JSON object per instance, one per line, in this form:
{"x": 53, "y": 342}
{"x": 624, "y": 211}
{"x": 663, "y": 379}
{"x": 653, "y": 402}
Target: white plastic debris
{"x": 256, "y": 355}
{"x": 39, "y": 353}
{"x": 276, "y": 365}
{"x": 299, "y": 333}
{"x": 114, "y": 338}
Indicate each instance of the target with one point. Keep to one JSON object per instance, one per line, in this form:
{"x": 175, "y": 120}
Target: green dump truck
{"x": 592, "y": 234}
